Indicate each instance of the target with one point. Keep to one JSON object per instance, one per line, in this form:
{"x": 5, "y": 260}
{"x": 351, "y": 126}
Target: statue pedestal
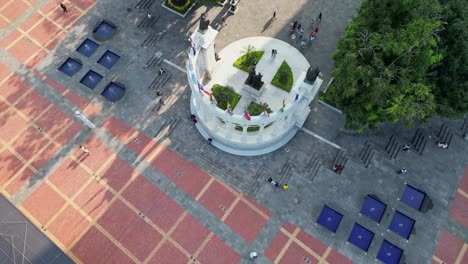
{"x": 254, "y": 93}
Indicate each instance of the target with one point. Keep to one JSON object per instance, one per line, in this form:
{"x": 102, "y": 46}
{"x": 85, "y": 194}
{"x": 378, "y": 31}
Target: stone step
{"x": 312, "y": 172}
{"x": 154, "y": 61}
{"x": 464, "y": 127}
{"x": 144, "y": 4}
{"x": 163, "y": 80}
{"x": 152, "y": 40}
{"x": 148, "y": 22}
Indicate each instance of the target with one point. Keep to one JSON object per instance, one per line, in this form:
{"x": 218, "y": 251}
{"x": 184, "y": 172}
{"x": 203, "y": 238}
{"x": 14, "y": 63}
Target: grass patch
{"x": 225, "y": 95}
{"x": 251, "y": 128}
{"x": 256, "y": 109}
{"x": 246, "y": 61}
{"x": 180, "y": 6}
{"x": 284, "y": 77}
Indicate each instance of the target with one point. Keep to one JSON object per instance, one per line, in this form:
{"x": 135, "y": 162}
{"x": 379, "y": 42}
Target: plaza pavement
{"x": 152, "y": 191}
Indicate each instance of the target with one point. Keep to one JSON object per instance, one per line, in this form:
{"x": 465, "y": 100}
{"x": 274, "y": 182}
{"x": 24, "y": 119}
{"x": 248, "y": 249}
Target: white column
{"x": 244, "y": 133}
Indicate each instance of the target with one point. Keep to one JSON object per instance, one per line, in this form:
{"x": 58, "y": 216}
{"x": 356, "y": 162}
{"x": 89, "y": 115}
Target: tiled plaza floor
{"x": 100, "y": 207}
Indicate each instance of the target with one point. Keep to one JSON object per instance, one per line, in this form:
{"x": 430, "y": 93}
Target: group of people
{"x": 297, "y": 28}
{"x": 277, "y": 184}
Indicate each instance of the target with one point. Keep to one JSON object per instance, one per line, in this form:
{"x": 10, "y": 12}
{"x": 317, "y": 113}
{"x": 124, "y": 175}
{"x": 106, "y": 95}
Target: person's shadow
{"x": 267, "y": 25}
{"x": 82, "y": 157}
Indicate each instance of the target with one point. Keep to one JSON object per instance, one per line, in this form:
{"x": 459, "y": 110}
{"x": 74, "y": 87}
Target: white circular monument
{"x": 234, "y": 130}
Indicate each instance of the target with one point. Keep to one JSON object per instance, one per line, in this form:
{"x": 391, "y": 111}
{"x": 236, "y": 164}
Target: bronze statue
{"x": 312, "y": 74}
{"x": 204, "y": 23}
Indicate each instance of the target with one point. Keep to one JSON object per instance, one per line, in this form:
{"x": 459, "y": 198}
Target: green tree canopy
{"x": 382, "y": 63}
{"x": 451, "y": 76}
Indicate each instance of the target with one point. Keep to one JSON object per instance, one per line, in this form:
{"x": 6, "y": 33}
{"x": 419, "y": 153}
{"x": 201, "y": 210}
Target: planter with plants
{"x": 179, "y": 7}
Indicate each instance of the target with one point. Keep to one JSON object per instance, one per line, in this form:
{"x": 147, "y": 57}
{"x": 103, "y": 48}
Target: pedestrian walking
{"x": 64, "y": 8}
{"x": 149, "y": 16}
{"x": 285, "y": 186}
{"x": 299, "y": 27}
{"x": 274, "y": 15}
{"x": 442, "y": 145}
{"x": 253, "y": 255}
{"x": 402, "y": 170}
{"x": 158, "y": 92}
{"x": 271, "y": 181}
{"x": 406, "y": 147}
{"x": 161, "y": 100}
{"x": 301, "y": 33}
{"x": 276, "y": 53}
{"x": 293, "y": 36}
{"x": 161, "y": 71}
{"x": 311, "y": 38}
{"x": 209, "y": 141}
{"x": 319, "y": 18}
{"x": 295, "y": 24}
{"x": 316, "y": 31}
{"x": 85, "y": 150}
{"x": 272, "y": 52}
{"x": 303, "y": 42}
{"x": 223, "y": 22}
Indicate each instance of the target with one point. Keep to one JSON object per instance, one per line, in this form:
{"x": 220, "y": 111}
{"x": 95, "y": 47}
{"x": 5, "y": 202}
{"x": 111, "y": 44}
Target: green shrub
{"x": 246, "y": 61}
{"x": 256, "y": 109}
{"x": 284, "y": 77}
{"x": 251, "y": 128}
{"x": 180, "y": 6}
{"x": 225, "y": 95}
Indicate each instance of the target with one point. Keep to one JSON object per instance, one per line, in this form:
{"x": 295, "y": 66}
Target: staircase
{"x": 144, "y": 4}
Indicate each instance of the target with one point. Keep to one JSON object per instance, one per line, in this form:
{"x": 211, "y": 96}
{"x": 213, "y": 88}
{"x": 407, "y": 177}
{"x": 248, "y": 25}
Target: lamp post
{"x": 85, "y": 120}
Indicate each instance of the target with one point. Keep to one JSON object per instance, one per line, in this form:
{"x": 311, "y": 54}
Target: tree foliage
{"x": 381, "y": 63}
{"x": 451, "y": 76}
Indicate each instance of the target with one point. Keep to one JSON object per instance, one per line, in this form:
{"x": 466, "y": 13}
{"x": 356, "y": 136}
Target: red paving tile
{"x": 14, "y": 88}
{"x": 245, "y": 221}
{"x": 311, "y": 242}
{"x": 3, "y": 22}
{"x": 33, "y": 104}
{"x": 91, "y": 110}
{"x": 65, "y": 19}
{"x": 3, "y": 106}
{"x": 134, "y": 233}
{"x": 276, "y": 245}
{"x": 94, "y": 198}
{"x": 69, "y": 178}
{"x": 5, "y": 42}
{"x": 99, "y": 154}
{"x": 153, "y": 203}
{"x": 57, "y": 38}
{"x": 14, "y": 9}
{"x": 216, "y": 251}
{"x": 69, "y": 133}
{"x": 117, "y": 173}
{"x": 448, "y": 247}
{"x": 53, "y": 121}
{"x": 55, "y": 85}
{"x": 94, "y": 247}
{"x": 30, "y": 143}
{"x": 144, "y": 145}
{"x": 464, "y": 182}
{"x": 184, "y": 174}
{"x": 140, "y": 238}
{"x": 84, "y": 4}
{"x": 31, "y": 21}
{"x": 259, "y": 207}
{"x": 51, "y": 5}
{"x": 459, "y": 210}
{"x": 68, "y": 226}
{"x": 36, "y": 59}
{"x": 296, "y": 254}
{"x": 190, "y": 234}
{"x": 19, "y": 180}
{"x": 9, "y": 166}
{"x": 44, "y": 32}
{"x": 23, "y": 49}
{"x": 76, "y": 99}
{"x": 168, "y": 254}
{"x": 4, "y": 72}
{"x": 11, "y": 124}
{"x": 336, "y": 258}
{"x": 289, "y": 227}
{"x": 118, "y": 128}
{"x": 112, "y": 222}
{"x": 43, "y": 203}
{"x": 465, "y": 257}
{"x": 216, "y": 198}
